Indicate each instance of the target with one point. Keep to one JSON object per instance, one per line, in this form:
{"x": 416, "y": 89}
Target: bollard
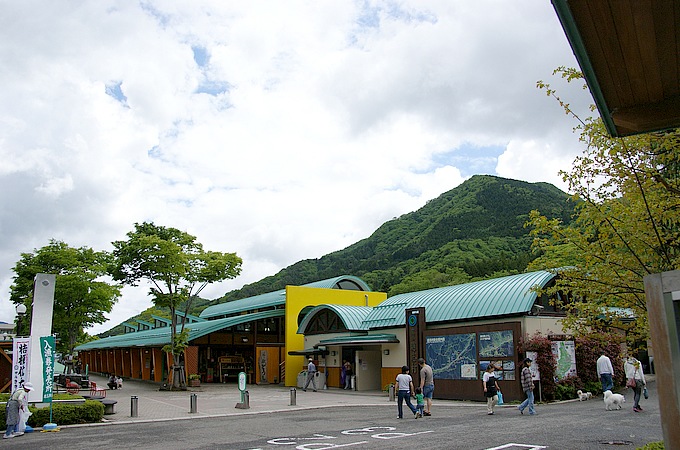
{"x": 246, "y": 400}
{"x": 391, "y": 392}
{"x": 293, "y": 394}
{"x": 134, "y": 406}
{"x": 193, "y": 403}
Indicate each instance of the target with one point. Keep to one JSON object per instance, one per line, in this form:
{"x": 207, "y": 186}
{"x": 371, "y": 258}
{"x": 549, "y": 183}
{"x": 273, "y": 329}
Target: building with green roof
{"x": 458, "y": 329}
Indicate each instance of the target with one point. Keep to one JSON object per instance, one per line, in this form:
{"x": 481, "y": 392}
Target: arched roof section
{"x": 351, "y": 316}
{"x": 161, "y": 336}
{"x": 504, "y": 296}
{"x": 278, "y": 298}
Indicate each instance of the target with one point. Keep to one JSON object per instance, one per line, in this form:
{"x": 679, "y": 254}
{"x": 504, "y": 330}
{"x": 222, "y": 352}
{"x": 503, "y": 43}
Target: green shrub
{"x": 62, "y": 414}
{"x": 653, "y": 446}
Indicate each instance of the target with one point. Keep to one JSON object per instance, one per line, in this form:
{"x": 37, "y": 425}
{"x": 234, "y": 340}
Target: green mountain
{"x": 476, "y": 228}
{"x": 471, "y": 232}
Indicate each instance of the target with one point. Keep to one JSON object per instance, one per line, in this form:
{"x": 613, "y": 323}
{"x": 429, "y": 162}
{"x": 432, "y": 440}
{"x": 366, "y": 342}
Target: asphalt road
{"x": 569, "y": 425}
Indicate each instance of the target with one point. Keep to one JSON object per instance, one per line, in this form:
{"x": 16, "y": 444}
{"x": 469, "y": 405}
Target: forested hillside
{"x": 474, "y": 231}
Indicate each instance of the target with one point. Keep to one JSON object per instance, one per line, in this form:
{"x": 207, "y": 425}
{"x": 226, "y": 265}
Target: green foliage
{"x": 589, "y": 348}
{"x": 626, "y": 226}
{"x": 470, "y": 232}
{"x": 545, "y": 360}
{"x": 653, "y": 446}
{"x": 566, "y": 388}
{"x": 80, "y": 299}
{"x": 177, "y": 268}
{"x": 90, "y": 411}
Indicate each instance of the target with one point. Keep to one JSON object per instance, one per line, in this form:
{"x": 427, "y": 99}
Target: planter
{"x": 195, "y": 383}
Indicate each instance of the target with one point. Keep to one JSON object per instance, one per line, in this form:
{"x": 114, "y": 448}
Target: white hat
{"x": 311, "y": 359}
{"x": 28, "y": 386}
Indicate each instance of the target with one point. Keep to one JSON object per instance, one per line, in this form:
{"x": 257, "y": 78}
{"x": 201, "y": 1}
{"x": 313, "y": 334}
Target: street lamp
{"x": 21, "y": 311}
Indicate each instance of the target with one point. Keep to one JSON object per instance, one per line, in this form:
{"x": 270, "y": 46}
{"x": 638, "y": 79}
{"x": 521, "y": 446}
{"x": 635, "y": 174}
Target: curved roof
{"x": 278, "y": 298}
{"x": 489, "y": 298}
{"x": 161, "y": 336}
{"x": 351, "y": 316}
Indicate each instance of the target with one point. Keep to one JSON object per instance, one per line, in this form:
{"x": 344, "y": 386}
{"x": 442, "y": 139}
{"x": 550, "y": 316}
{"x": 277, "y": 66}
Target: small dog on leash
{"x": 613, "y": 401}
{"x": 583, "y": 396}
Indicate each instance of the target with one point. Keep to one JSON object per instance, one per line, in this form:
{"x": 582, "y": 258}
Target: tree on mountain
{"x": 626, "y": 227}
{"x": 178, "y": 269}
{"x": 80, "y": 297}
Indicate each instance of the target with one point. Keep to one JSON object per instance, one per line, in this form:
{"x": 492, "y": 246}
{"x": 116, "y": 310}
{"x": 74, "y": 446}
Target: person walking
{"x": 311, "y": 372}
{"x": 16, "y": 402}
{"x": 527, "y": 387}
{"x": 605, "y": 371}
{"x": 490, "y": 388}
{"x": 635, "y": 380}
{"x": 426, "y": 385}
{"x": 348, "y": 375}
{"x": 405, "y": 389}
{"x": 420, "y": 402}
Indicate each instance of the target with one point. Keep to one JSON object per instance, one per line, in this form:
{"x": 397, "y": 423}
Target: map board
{"x": 453, "y": 356}
{"x": 565, "y": 359}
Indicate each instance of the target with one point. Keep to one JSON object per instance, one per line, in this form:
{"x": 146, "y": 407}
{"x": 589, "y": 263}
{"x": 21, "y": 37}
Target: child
{"x": 420, "y": 400}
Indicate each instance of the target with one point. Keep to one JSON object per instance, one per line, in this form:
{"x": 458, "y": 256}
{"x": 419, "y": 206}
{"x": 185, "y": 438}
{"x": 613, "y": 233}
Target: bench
{"x": 109, "y": 405}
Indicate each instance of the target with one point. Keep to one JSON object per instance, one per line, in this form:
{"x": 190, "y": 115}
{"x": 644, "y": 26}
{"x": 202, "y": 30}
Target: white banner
{"x": 21, "y": 359}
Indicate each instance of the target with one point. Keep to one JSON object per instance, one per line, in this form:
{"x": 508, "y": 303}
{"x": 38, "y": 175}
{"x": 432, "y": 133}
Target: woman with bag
{"x": 490, "y": 388}
{"x": 635, "y": 380}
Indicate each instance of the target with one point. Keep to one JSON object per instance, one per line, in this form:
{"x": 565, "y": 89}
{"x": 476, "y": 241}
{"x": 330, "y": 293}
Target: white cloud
{"x": 279, "y": 131}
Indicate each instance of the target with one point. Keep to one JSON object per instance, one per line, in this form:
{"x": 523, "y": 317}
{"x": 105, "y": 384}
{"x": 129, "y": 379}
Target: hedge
{"x": 90, "y": 411}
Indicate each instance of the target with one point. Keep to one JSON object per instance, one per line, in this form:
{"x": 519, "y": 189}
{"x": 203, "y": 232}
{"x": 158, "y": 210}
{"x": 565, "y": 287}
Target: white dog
{"x": 583, "y": 396}
{"x": 613, "y": 401}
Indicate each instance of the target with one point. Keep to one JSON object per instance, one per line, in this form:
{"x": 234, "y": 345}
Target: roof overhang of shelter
{"x": 161, "y": 336}
{"x": 629, "y": 53}
{"x": 316, "y": 350}
{"x": 363, "y": 339}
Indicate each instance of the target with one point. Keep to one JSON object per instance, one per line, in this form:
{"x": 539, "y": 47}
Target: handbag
{"x": 500, "y": 397}
{"x": 630, "y": 383}
{"x": 645, "y": 392}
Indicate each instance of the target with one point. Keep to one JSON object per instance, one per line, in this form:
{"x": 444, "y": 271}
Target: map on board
{"x": 496, "y": 344}
{"x": 452, "y": 357}
{"x": 565, "y": 359}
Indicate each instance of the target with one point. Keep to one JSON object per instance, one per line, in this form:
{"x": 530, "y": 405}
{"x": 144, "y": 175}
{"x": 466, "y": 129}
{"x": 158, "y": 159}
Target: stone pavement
{"x": 220, "y": 400}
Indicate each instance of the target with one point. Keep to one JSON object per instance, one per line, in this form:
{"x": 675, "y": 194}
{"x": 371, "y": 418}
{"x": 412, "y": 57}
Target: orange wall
{"x": 388, "y": 375}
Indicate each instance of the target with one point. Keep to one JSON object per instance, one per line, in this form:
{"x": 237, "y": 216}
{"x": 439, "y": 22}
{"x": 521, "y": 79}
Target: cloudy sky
{"x": 279, "y": 130}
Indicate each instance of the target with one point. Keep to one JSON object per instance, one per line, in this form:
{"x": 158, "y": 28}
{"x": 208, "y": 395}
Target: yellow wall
{"x": 299, "y": 297}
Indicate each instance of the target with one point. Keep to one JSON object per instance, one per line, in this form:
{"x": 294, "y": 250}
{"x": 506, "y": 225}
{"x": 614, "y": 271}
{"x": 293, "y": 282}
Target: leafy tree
{"x": 626, "y": 224}
{"x": 80, "y": 298}
{"x": 178, "y": 269}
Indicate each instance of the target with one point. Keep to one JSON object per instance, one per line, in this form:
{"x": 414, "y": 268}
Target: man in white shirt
{"x": 605, "y": 371}
{"x": 311, "y": 372}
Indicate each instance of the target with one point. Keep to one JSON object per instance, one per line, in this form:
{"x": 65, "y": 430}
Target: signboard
{"x": 47, "y": 346}
{"x": 21, "y": 357}
{"x": 242, "y": 381}
{"x": 565, "y": 359}
{"x": 535, "y": 374}
{"x": 415, "y": 347}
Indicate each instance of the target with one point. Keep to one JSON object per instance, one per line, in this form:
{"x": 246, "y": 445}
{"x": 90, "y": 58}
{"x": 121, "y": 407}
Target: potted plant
{"x": 194, "y": 380}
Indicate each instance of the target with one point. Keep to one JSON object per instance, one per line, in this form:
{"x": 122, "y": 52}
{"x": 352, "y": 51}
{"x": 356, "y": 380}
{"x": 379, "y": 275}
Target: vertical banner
{"x": 47, "y": 346}
{"x": 41, "y": 325}
{"x": 415, "y": 340}
{"x": 21, "y": 357}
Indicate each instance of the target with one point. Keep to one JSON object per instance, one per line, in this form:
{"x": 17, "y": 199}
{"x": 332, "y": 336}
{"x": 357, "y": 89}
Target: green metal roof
{"x": 351, "y": 316}
{"x": 278, "y": 298}
{"x": 161, "y": 336}
{"x": 362, "y": 339}
{"x": 489, "y": 298}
